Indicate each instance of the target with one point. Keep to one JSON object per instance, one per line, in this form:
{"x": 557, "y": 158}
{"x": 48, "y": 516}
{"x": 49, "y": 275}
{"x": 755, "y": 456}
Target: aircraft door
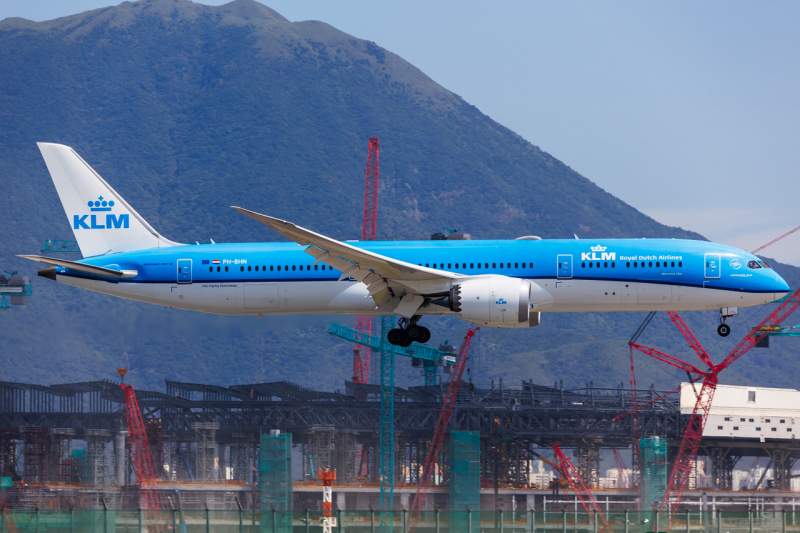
{"x": 184, "y": 270}
{"x": 564, "y": 266}
{"x": 712, "y": 266}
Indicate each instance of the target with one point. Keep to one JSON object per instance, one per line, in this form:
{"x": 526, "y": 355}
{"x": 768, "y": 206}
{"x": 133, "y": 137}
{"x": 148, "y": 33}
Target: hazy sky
{"x": 686, "y": 110}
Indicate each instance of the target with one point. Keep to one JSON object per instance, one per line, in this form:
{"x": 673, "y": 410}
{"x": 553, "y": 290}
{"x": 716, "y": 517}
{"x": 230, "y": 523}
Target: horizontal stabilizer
{"x": 81, "y": 267}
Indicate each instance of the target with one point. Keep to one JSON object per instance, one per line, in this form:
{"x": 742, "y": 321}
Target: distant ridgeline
{"x": 187, "y": 109}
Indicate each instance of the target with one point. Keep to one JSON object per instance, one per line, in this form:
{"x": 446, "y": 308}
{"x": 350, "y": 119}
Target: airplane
{"x": 495, "y": 283}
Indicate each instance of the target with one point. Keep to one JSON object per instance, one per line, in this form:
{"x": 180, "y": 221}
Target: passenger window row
{"x": 658, "y": 264}
{"x": 591, "y": 265}
{"x": 455, "y": 266}
{"x": 272, "y": 268}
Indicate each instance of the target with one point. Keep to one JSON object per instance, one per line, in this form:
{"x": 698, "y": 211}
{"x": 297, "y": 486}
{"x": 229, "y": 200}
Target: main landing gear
{"x": 408, "y": 332}
{"x": 724, "y": 329}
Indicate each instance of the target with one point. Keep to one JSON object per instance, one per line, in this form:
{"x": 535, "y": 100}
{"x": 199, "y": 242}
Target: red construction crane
{"x": 581, "y": 491}
{"x": 623, "y": 479}
{"x": 369, "y": 232}
{"x": 149, "y": 498}
{"x": 441, "y": 427}
{"x": 681, "y": 470}
{"x": 773, "y": 241}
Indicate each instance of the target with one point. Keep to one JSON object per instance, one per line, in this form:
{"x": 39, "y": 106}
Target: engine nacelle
{"x": 498, "y": 301}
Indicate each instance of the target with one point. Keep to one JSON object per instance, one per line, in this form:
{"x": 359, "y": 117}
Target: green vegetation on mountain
{"x": 188, "y": 109}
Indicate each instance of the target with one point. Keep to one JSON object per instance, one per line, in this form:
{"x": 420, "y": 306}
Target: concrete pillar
{"x": 119, "y": 456}
{"x": 362, "y": 501}
{"x": 404, "y": 500}
{"x": 222, "y": 454}
{"x": 340, "y": 501}
{"x": 530, "y": 502}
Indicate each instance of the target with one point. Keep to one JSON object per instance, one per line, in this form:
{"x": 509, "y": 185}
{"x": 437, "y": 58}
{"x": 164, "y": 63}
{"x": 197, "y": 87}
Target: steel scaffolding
{"x": 275, "y": 480}
{"x": 465, "y": 472}
{"x": 36, "y": 453}
{"x": 99, "y": 465}
{"x": 243, "y": 457}
{"x": 8, "y": 452}
{"x": 205, "y": 449}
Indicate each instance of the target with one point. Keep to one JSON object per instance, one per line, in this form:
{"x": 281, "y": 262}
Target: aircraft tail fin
{"x": 102, "y": 221}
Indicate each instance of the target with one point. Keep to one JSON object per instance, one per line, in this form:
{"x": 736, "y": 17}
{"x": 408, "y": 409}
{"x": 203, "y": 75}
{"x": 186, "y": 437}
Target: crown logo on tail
{"x": 101, "y": 205}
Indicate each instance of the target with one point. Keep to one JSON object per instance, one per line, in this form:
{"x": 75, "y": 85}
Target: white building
{"x": 747, "y": 412}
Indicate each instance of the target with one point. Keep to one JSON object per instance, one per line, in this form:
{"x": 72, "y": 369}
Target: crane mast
{"x": 369, "y": 232}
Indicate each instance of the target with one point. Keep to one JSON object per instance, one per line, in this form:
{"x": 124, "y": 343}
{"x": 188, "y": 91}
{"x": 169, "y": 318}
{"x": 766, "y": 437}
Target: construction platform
{"x": 205, "y": 440}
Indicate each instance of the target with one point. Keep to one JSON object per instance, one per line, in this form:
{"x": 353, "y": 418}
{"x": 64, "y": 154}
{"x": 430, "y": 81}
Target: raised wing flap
{"x": 379, "y": 273}
{"x": 363, "y": 259}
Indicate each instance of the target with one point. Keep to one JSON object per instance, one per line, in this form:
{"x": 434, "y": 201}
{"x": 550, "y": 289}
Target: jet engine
{"x": 497, "y": 301}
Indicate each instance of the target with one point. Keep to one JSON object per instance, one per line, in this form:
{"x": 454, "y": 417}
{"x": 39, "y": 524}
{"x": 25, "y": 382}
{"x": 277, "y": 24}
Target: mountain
{"x": 187, "y": 109}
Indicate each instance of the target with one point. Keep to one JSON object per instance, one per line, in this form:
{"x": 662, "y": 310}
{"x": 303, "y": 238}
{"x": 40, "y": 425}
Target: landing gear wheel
{"x": 426, "y": 335}
{"x": 406, "y": 342}
{"x": 724, "y": 330}
{"x": 415, "y": 333}
{"x": 396, "y": 336}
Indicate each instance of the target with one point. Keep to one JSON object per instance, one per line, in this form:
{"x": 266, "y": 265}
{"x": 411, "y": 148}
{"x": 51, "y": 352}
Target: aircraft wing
{"x": 384, "y": 277}
{"x": 82, "y": 267}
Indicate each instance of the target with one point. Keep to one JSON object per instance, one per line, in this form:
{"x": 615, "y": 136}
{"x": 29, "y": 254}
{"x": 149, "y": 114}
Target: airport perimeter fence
{"x": 118, "y": 521}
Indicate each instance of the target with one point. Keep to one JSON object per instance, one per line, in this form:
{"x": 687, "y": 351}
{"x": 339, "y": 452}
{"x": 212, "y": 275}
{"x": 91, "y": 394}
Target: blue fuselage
{"x": 581, "y": 275}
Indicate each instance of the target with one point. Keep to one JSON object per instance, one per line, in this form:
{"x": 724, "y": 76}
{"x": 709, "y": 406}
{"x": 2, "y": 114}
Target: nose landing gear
{"x": 408, "y": 332}
{"x": 724, "y": 329}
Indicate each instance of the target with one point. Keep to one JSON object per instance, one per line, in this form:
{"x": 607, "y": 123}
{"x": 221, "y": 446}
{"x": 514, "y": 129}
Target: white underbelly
{"x": 590, "y": 295}
{"x": 322, "y": 297}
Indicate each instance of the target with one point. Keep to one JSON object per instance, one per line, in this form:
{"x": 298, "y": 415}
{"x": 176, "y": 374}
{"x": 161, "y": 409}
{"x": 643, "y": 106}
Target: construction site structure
{"x": 275, "y": 478}
{"x": 60, "y": 246}
{"x": 515, "y": 425}
{"x": 14, "y": 289}
{"x": 205, "y": 449}
{"x": 685, "y": 461}
{"x": 442, "y": 425}
{"x": 150, "y": 498}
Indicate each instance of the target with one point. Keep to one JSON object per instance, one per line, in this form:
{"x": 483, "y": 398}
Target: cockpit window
{"x": 764, "y": 264}
{"x": 753, "y": 264}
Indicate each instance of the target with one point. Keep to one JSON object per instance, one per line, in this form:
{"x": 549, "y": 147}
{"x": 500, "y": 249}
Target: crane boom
{"x": 581, "y": 491}
{"x": 690, "y": 338}
{"x": 150, "y": 499}
{"x": 773, "y": 241}
{"x": 622, "y": 481}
